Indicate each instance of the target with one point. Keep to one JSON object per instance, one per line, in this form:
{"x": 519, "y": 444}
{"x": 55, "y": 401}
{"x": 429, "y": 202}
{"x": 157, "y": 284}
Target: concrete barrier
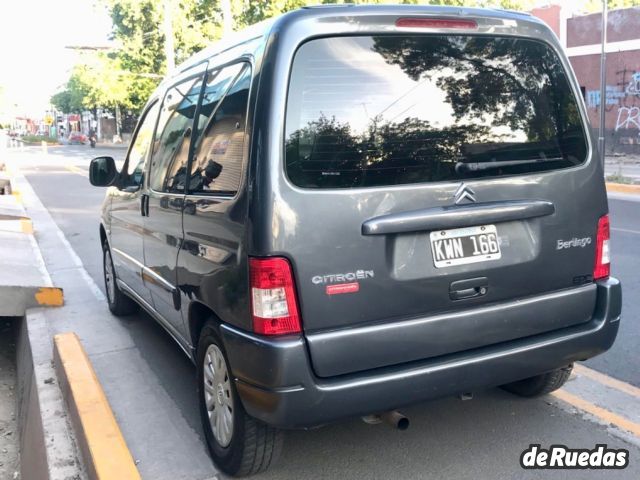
{"x": 47, "y": 443}
{"x": 105, "y": 452}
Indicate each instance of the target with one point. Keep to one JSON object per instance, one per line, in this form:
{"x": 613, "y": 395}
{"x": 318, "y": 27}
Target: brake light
{"x": 436, "y": 23}
{"x": 273, "y": 298}
{"x": 602, "y": 267}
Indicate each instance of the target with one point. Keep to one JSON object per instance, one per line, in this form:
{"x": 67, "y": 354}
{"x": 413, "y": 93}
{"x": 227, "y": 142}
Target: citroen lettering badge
{"x": 464, "y": 193}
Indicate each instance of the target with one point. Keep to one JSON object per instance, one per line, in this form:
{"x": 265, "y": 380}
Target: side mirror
{"x": 103, "y": 172}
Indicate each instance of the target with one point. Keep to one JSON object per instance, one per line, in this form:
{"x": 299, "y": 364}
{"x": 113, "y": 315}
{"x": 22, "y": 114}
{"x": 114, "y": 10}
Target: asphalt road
{"x": 449, "y": 438}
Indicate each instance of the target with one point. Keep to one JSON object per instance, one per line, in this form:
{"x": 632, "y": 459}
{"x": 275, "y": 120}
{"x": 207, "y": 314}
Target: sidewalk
{"x": 24, "y": 280}
{"x": 122, "y": 146}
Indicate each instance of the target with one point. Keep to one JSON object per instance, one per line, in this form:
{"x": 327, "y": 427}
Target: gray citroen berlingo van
{"x": 350, "y": 209}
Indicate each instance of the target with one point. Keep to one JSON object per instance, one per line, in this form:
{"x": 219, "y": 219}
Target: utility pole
{"x": 603, "y": 82}
{"x": 168, "y": 36}
{"x": 227, "y": 17}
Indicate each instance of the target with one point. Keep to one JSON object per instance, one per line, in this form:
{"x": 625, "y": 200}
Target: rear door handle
{"x": 144, "y": 205}
{"x": 470, "y": 288}
{"x": 443, "y": 218}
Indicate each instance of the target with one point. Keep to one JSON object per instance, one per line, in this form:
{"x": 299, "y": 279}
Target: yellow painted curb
{"x": 603, "y": 414}
{"x": 623, "y": 188}
{"x": 104, "y": 449}
{"x": 17, "y": 224}
{"x": 50, "y": 297}
{"x": 607, "y": 380}
{"x": 18, "y": 195}
{"x": 26, "y": 225}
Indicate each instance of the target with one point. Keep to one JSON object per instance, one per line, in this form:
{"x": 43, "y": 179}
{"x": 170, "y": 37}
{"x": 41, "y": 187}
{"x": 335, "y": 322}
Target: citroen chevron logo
{"x": 463, "y": 193}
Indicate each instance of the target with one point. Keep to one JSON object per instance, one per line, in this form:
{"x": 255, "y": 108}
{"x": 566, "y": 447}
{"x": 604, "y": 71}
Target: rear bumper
{"x": 277, "y": 385}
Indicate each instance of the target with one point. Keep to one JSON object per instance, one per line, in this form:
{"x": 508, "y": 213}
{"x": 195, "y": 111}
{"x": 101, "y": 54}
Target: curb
{"x": 103, "y": 447}
{"x": 623, "y": 188}
{"x": 25, "y": 283}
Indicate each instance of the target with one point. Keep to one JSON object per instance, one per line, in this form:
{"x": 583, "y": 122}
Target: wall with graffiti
{"x": 622, "y": 103}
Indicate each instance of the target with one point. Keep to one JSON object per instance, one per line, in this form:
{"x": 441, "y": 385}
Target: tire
{"x": 540, "y": 384}
{"x": 119, "y": 303}
{"x": 249, "y": 445}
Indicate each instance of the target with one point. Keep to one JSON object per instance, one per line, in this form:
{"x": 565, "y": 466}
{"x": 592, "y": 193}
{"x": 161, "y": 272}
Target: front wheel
{"x": 239, "y": 444}
{"x": 540, "y": 384}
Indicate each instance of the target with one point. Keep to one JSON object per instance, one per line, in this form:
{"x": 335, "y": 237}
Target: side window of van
{"x": 218, "y": 158}
{"x": 138, "y": 154}
{"x": 173, "y": 136}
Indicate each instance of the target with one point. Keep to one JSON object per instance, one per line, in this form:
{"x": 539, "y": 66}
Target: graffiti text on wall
{"x": 626, "y": 97}
{"x": 628, "y": 117}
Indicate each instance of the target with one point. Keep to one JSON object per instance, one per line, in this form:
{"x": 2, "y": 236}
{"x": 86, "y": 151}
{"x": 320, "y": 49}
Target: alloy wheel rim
{"x": 109, "y": 277}
{"x": 217, "y": 395}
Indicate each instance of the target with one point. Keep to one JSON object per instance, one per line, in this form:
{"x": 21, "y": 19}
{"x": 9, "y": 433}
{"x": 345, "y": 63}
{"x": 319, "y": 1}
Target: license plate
{"x": 460, "y": 246}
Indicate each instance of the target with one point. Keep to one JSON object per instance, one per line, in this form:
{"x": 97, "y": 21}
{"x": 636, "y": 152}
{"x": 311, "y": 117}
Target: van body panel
{"x": 276, "y": 382}
{"x": 212, "y": 263}
{"x": 327, "y": 232}
{"x": 334, "y": 352}
{"x": 385, "y": 321}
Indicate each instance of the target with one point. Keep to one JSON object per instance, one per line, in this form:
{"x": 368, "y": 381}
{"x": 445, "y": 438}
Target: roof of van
{"x": 261, "y": 29}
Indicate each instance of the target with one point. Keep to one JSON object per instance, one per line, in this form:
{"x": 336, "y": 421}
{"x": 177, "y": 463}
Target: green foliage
{"x": 247, "y": 12}
{"x": 97, "y": 82}
{"x": 38, "y": 139}
{"x": 595, "y": 6}
{"x": 617, "y": 178}
{"x": 127, "y": 76}
{"x": 137, "y": 28}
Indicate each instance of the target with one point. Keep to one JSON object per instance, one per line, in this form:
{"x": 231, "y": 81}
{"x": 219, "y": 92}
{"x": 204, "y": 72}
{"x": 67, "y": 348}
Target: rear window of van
{"x": 366, "y": 111}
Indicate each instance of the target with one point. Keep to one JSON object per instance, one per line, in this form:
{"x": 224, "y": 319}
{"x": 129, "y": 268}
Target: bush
{"x": 39, "y": 139}
{"x": 615, "y": 178}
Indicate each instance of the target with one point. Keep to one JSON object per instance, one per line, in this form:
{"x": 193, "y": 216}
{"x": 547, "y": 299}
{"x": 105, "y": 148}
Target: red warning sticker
{"x": 343, "y": 288}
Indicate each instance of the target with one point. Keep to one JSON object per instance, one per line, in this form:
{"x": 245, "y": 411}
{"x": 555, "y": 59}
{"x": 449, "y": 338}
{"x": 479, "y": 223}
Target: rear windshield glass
{"x": 389, "y": 110}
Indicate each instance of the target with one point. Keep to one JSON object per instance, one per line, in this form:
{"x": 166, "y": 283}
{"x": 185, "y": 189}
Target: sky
{"x": 34, "y": 63}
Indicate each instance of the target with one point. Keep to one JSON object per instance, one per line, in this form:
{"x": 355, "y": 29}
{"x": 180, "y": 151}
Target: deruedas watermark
{"x": 563, "y": 457}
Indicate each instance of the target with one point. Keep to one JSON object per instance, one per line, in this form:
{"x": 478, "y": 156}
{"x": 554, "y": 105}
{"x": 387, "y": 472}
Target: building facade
{"x": 581, "y": 37}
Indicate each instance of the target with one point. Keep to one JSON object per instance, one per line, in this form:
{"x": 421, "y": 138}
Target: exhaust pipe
{"x": 394, "y": 418}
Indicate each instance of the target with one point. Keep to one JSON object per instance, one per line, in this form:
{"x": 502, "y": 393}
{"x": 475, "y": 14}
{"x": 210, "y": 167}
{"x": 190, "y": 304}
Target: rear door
{"x": 210, "y": 263}
{"x": 434, "y": 178}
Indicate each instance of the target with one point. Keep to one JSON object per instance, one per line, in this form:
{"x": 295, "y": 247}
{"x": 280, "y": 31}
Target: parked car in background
{"x": 352, "y": 209}
{"x": 77, "y": 138}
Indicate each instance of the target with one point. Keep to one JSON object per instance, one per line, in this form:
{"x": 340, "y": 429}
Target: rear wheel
{"x": 119, "y": 303}
{"x": 239, "y": 444}
{"x": 540, "y": 384}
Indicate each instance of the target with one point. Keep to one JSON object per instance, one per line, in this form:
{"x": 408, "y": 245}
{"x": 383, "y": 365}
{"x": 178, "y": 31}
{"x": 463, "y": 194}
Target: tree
{"x": 594, "y": 6}
{"x": 63, "y": 102}
{"x": 247, "y": 12}
{"x": 136, "y": 28}
{"x": 98, "y": 82}
{"x": 125, "y": 76}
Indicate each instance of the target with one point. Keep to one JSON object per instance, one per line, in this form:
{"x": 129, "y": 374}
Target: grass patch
{"x": 615, "y": 178}
{"x": 39, "y": 139}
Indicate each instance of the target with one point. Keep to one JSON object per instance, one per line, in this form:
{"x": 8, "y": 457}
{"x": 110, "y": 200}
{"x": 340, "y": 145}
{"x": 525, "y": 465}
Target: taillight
{"x": 436, "y": 23}
{"x": 602, "y": 267}
{"x": 273, "y": 297}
